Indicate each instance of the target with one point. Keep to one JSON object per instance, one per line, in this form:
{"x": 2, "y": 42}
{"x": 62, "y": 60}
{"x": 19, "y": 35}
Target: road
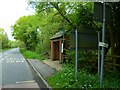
{"x": 16, "y": 72}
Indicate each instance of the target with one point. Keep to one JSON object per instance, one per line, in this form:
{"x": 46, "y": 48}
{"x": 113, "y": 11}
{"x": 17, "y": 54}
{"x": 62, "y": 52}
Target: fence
{"x": 112, "y": 63}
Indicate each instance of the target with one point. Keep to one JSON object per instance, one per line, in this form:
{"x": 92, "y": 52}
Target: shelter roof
{"x": 57, "y": 35}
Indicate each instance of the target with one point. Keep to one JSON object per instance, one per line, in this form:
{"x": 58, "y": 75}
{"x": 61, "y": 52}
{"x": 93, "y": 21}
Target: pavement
{"x": 54, "y": 64}
{"x": 45, "y": 68}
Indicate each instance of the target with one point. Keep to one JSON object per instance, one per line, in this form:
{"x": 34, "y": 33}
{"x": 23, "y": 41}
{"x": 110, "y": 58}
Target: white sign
{"x": 103, "y": 44}
{"x": 62, "y": 48}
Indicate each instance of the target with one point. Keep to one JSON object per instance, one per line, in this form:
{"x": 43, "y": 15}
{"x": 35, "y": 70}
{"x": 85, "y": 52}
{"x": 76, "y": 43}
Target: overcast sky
{"x": 10, "y": 11}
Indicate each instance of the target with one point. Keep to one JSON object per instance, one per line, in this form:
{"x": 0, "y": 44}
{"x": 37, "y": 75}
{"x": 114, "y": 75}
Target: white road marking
{"x": 22, "y": 61}
{"x": 17, "y": 61}
{"x": 32, "y": 81}
{"x": 12, "y": 61}
{"x": 5, "y": 57}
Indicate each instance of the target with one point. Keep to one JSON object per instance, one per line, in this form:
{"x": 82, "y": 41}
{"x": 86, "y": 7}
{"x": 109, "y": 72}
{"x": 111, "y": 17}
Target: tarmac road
{"x": 15, "y": 71}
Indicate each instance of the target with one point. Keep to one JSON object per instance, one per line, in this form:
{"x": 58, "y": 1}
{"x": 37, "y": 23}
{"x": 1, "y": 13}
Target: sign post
{"x": 76, "y": 57}
{"x": 103, "y": 40}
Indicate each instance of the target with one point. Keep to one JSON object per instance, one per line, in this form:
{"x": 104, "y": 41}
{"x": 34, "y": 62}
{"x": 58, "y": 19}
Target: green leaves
{"x": 3, "y": 39}
{"x": 75, "y": 14}
{"x": 31, "y": 55}
{"x": 66, "y": 79}
{"x": 25, "y": 29}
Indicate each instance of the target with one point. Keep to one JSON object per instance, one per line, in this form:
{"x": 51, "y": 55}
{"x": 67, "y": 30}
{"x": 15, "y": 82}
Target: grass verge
{"x": 3, "y": 49}
{"x": 66, "y": 79}
{"x": 31, "y": 55}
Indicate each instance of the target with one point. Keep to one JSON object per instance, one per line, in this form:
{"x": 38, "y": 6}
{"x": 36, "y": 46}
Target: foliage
{"x": 74, "y": 14}
{"x": 14, "y": 44}
{"x": 49, "y": 25}
{"x": 3, "y": 39}
{"x": 36, "y": 30}
{"x": 82, "y": 55}
{"x": 114, "y": 29}
{"x": 5, "y": 43}
{"x": 1, "y": 35}
{"x": 66, "y": 79}
{"x": 86, "y": 59}
{"x": 31, "y": 55}
{"x": 26, "y": 30}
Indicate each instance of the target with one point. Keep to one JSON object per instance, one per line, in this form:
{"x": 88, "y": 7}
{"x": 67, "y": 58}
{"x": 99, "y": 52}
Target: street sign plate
{"x": 103, "y": 44}
{"x": 98, "y": 12}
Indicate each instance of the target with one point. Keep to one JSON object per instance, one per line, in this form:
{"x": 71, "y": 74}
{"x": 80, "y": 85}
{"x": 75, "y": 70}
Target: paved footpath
{"x": 54, "y": 64}
{"x": 42, "y": 68}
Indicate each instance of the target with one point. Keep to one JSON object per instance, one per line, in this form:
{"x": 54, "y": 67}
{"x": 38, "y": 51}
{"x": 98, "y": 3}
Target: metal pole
{"x": 98, "y": 53}
{"x": 103, "y": 40}
{"x": 76, "y": 57}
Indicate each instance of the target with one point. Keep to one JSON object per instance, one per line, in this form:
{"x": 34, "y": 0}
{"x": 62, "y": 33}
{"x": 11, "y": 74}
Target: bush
{"x": 86, "y": 60}
{"x": 39, "y": 48}
{"x": 82, "y": 55}
{"x": 66, "y": 79}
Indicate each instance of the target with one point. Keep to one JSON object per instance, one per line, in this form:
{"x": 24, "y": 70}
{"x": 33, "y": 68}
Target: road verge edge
{"x": 45, "y": 82}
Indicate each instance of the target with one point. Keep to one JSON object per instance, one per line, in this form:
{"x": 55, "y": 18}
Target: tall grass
{"x": 31, "y": 55}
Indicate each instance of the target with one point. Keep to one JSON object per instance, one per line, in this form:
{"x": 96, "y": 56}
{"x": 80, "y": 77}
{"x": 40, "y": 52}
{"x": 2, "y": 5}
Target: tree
{"x": 3, "y": 39}
{"x": 26, "y": 30}
{"x": 76, "y": 15}
{"x": 114, "y": 30}
{"x": 49, "y": 25}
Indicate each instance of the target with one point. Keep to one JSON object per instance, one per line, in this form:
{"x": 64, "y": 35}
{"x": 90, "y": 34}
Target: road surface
{"x": 15, "y": 72}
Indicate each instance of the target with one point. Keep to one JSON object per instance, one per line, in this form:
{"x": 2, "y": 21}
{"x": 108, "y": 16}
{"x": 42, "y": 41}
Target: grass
{"x": 31, "y": 55}
{"x": 66, "y": 79}
{"x": 3, "y": 49}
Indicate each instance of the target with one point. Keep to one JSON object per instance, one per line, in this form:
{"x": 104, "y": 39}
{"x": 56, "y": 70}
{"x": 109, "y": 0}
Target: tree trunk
{"x": 112, "y": 42}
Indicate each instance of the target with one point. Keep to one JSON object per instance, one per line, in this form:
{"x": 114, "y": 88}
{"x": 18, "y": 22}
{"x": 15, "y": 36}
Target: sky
{"x": 10, "y": 12}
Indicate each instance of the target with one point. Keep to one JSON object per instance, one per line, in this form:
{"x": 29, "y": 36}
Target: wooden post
{"x": 52, "y": 51}
{"x": 60, "y": 53}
